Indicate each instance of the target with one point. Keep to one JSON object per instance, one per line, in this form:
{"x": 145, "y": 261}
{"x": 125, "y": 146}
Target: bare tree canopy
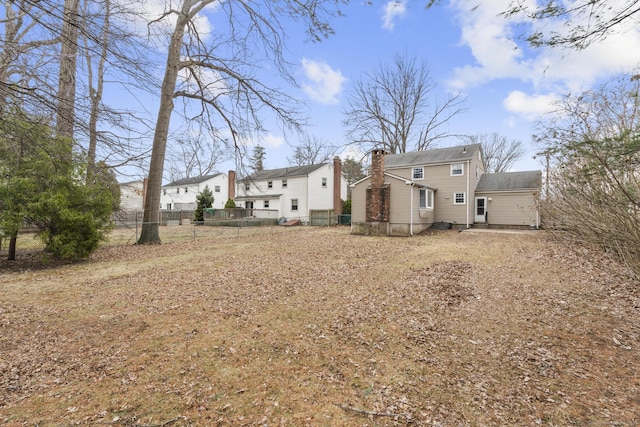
{"x": 394, "y": 107}
{"x": 217, "y": 71}
{"x": 575, "y": 24}
{"x": 593, "y": 187}
{"x": 311, "y": 151}
{"x": 499, "y": 152}
{"x": 193, "y": 156}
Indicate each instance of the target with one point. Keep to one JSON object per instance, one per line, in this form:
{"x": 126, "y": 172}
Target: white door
{"x": 481, "y": 209}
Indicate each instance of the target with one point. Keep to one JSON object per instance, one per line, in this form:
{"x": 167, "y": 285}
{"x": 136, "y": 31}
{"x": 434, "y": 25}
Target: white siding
{"x": 132, "y": 195}
{"x": 187, "y": 200}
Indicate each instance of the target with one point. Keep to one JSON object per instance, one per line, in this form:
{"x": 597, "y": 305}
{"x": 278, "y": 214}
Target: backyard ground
{"x": 315, "y": 327}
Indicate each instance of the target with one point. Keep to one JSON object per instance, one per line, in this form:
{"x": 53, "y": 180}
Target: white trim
{"x": 461, "y": 169}
{"x": 413, "y": 173}
{"x": 464, "y": 196}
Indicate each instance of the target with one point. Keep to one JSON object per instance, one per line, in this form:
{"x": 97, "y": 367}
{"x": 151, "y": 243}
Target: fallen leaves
{"x": 317, "y": 327}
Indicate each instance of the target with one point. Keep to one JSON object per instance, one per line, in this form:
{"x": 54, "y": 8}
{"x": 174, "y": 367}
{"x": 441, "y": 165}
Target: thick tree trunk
{"x": 67, "y": 79}
{"x": 151, "y": 224}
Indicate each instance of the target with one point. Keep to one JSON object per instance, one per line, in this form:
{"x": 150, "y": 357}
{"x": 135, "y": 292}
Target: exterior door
{"x": 481, "y": 209}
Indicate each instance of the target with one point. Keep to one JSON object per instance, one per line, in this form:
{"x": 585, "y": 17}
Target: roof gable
{"x": 289, "y": 172}
{"x": 528, "y": 180}
{"x": 434, "y": 156}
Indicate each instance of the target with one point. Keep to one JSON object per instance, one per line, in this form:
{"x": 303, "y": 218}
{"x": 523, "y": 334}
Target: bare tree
{"x": 499, "y": 152}
{"x": 394, "y": 108}
{"x": 312, "y": 150}
{"x": 593, "y": 151}
{"x": 193, "y": 156}
{"x": 217, "y": 72}
{"x": 581, "y": 22}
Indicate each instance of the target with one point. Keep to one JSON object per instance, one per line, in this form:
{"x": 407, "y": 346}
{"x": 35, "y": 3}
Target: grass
{"x": 317, "y": 327}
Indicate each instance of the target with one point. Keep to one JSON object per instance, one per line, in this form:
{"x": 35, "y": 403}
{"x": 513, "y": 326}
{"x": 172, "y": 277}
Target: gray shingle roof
{"x": 283, "y": 172}
{"x": 437, "y": 155}
{"x": 190, "y": 181}
{"x": 528, "y": 180}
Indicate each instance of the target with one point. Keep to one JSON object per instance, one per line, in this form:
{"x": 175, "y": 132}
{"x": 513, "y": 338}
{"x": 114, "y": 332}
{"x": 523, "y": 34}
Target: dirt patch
{"x": 318, "y": 327}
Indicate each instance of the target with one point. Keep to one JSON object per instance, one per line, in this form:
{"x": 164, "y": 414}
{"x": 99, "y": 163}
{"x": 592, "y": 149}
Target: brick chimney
{"x": 232, "y": 185}
{"x": 378, "y": 194}
{"x": 337, "y": 186}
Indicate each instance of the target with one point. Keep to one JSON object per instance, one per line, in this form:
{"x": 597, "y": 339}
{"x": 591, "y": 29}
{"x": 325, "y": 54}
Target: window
{"x": 458, "y": 199}
{"x": 284, "y": 183}
{"x": 247, "y": 186}
{"x": 457, "y": 169}
{"x": 270, "y": 184}
{"x": 418, "y": 173}
{"x": 178, "y": 190}
{"x": 324, "y": 182}
{"x": 168, "y": 206}
{"x": 216, "y": 188}
{"x": 266, "y": 204}
{"x": 426, "y": 199}
{"x": 186, "y": 189}
{"x": 294, "y": 204}
{"x": 164, "y": 192}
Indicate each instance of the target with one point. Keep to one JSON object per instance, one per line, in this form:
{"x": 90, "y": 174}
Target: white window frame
{"x": 294, "y": 206}
{"x": 269, "y": 184}
{"x": 266, "y": 204}
{"x": 456, "y": 167}
{"x": 247, "y": 186}
{"x": 324, "y": 182}
{"x": 284, "y": 183}
{"x": 415, "y": 176}
{"x": 216, "y": 189}
{"x": 428, "y": 198}
{"x": 455, "y": 198}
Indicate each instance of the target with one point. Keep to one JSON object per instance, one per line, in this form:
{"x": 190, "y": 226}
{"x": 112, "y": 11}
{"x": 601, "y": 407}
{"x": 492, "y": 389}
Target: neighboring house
{"x": 181, "y": 194}
{"x": 291, "y": 193}
{"x": 406, "y": 193}
{"x": 132, "y": 195}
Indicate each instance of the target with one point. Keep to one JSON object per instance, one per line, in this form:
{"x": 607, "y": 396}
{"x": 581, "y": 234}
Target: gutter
{"x": 468, "y": 189}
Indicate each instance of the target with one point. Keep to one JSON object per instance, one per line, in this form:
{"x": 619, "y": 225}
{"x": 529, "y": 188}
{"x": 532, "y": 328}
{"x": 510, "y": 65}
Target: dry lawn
{"x": 319, "y": 328}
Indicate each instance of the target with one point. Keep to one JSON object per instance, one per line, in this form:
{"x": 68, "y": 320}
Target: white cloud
{"x": 391, "y": 11}
{"x": 272, "y": 141}
{"x": 324, "y": 84}
{"x": 529, "y": 106}
{"x": 490, "y": 38}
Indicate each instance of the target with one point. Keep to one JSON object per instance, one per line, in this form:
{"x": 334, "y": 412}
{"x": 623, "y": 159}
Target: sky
{"x": 473, "y": 51}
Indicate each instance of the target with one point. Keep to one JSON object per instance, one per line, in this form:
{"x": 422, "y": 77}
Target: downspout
{"x": 411, "y": 215}
{"x": 468, "y": 189}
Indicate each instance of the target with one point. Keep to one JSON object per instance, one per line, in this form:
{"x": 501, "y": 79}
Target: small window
{"x": 270, "y": 184}
{"x": 418, "y": 173}
{"x": 477, "y": 172}
{"x": 217, "y": 189}
{"x": 457, "y": 169}
{"x": 168, "y": 206}
{"x": 458, "y": 198}
{"x": 164, "y": 192}
{"x": 284, "y": 183}
{"x": 186, "y": 189}
{"x": 247, "y": 186}
{"x": 324, "y": 182}
{"x": 178, "y": 190}
{"x": 426, "y": 199}
{"x": 266, "y": 204}
{"x": 294, "y": 204}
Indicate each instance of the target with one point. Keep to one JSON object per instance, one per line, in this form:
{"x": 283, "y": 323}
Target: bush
{"x": 346, "y": 209}
{"x": 230, "y": 204}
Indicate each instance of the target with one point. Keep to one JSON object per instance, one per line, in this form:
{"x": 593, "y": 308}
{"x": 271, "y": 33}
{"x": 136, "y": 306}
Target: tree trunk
{"x": 12, "y": 247}
{"x": 67, "y": 79}
{"x": 150, "y": 223}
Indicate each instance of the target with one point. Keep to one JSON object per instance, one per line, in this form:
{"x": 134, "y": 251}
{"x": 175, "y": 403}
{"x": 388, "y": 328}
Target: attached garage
{"x": 510, "y": 199}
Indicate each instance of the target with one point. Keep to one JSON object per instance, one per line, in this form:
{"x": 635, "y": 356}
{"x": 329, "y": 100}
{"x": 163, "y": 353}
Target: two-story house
{"x": 181, "y": 194}
{"x": 293, "y": 192}
{"x": 406, "y": 193}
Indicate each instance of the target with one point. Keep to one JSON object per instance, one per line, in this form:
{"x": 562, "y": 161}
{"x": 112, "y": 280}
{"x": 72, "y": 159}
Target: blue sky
{"x": 469, "y": 50}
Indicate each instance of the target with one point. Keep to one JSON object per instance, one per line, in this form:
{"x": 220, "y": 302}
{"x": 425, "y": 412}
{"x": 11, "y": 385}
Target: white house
{"x": 181, "y": 194}
{"x": 294, "y": 191}
{"x": 132, "y": 195}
